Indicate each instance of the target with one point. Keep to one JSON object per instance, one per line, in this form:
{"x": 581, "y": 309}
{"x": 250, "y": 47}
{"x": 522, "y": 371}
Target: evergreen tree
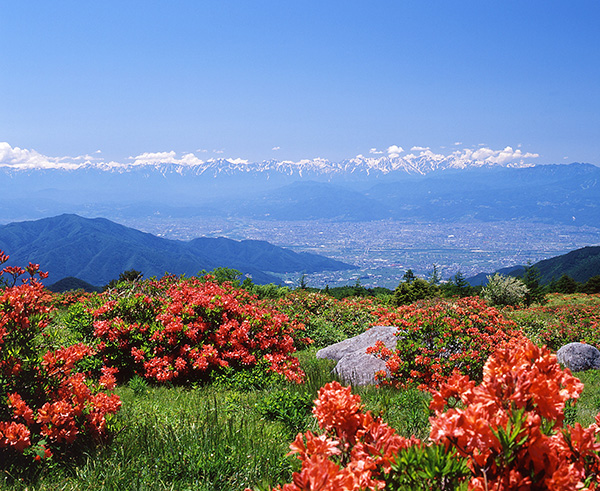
{"x": 535, "y": 293}
{"x": 303, "y": 284}
{"x": 460, "y": 286}
{"x": 565, "y": 284}
{"x": 592, "y": 285}
{"x": 434, "y": 278}
{"x": 409, "y": 276}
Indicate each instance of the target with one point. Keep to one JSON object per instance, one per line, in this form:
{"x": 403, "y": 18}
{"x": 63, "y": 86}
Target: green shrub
{"x": 256, "y": 378}
{"x": 504, "y": 290}
{"x": 79, "y": 320}
{"x": 417, "y": 289}
{"x": 138, "y": 385}
{"x": 290, "y": 407}
{"x": 422, "y": 467}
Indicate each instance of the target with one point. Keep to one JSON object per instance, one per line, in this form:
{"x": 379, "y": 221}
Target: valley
{"x": 384, "y": 249}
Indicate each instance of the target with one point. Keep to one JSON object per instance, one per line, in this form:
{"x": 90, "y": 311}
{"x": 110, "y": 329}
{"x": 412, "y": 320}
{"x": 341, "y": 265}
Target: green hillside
{"x": 580, "y": 264}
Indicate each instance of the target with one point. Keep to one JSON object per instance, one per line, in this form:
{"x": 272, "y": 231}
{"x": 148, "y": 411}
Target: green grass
{"x": 556, "y": 299}
{"x": 207, "y": 438}
{"x": 172, "y": 438}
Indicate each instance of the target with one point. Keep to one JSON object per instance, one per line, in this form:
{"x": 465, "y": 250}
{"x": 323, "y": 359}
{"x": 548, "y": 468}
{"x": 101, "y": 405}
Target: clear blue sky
{"x": 329, "y": 79}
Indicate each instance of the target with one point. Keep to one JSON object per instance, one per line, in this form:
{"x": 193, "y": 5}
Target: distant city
{"x": 385, "y": 249}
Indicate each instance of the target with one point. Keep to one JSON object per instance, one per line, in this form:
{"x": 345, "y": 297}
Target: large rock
{"x": 354, "y": 365}
{"x": 578, "y": 357}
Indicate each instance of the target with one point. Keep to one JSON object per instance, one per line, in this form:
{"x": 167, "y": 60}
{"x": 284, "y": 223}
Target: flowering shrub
{"x": 436, "y": 338}
{"x": 355, "y": 451}
{"x": 511, "y": 426}
{"x": 68, "y": 298}
{"x": 46, "y": 402}
{"x": 568, "y": 323}
{"x": 181, "y": 329}
{"x": 504, "y": 290}
{"x": 507, "y": 433}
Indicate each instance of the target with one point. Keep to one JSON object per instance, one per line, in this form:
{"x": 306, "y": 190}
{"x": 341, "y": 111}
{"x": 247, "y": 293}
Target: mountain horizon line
{"x": 416, "y": 160}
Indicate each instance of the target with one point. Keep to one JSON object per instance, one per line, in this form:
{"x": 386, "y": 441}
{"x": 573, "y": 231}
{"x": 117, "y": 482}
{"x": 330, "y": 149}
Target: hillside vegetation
{"x": 203, "y": 382}
{"x": 579, "y": 266}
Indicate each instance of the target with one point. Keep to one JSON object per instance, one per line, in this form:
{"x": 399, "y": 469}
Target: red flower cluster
{"x": 509, "y": 430}
{"x": 43, "y": 398}
{"x": 438, "y": 337}
{"x": 354, "y": 453}
{"x": 511, "y": 426}
{"x": 567, "y": 324}
{"x": 180, "y": 329}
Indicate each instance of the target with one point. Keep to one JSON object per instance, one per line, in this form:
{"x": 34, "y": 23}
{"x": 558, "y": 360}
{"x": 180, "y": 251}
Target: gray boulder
{"x": 354, "y": 365}
{"x": 578, "y": 357}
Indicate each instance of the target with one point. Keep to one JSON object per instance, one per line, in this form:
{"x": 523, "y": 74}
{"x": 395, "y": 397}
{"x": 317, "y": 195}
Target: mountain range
{"x": 418, "y": 161}
{"x": 98, "y": 250}
{"x": 348, "y": 191}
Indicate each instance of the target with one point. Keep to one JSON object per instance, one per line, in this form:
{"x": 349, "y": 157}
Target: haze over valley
{"x": 464, "y": 215}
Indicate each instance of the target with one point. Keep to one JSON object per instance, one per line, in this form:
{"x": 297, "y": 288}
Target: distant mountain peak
{"x": 420, "y": 161}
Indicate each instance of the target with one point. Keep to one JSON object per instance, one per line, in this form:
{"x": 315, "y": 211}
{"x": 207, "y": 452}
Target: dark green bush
{"x": 290, "y": 407}
{"x": 79, "y": 320}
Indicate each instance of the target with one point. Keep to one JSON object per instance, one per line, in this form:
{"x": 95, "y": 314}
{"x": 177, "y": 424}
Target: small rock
{"x": 579, "y": 357}
{"x": 354, "y": 365}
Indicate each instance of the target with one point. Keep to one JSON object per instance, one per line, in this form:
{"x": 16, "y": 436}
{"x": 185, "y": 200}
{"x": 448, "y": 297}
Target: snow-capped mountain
{"x": 420, "y": 161}
{"x": 359, "y": 166}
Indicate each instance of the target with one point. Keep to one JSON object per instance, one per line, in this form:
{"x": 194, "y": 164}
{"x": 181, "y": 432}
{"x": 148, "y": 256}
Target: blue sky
{"x": 300, "y": 79}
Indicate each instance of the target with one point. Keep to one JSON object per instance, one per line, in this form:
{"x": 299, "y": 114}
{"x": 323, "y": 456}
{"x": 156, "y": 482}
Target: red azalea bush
{"x": 179, "y": 329}
{"x": 65, "y": 299}
{"x": 510, "y": 427}
{"x": 567, "y": 324}
{"x": 354, "y": 453}
{"x": 437, "y": 337}
{"x": 46, "y": 402}
{"x": 507, "y": 433}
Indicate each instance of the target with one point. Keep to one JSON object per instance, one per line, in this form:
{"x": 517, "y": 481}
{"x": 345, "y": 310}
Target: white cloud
{"x": 276, "y": 148}
{"x": 394, "y": 151}
{"x": 218, "y": 151}
{"x": 202, "y": 150}
{"x": 21, "y": 158}
{"x": 154, "y": 158}
{"x": 457, "y": 143}
{"x": 502, "y": 157}
{"x": 419, "y": 149}
{"x": 375, "y": 151}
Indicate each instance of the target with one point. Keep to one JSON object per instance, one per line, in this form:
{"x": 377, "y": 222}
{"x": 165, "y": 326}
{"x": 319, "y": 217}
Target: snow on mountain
{"x": 420, "y": 161}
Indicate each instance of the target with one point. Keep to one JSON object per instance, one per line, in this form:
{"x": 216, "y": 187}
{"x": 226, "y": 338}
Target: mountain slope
{"x": 97, "y": 250}
{"x": 580, "y": 264}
